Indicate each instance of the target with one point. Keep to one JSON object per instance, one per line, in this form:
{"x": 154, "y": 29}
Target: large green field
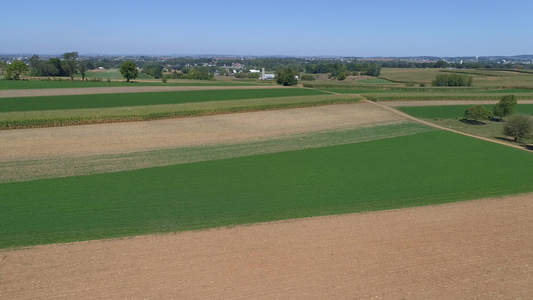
{"x": 451, "y": 116}
{"x": 420, "y": 169}
{"x": 481, "y": 78}
{"x": 453, "y": 111}
{"x": 59, "y": 84}
{"x": 142, "y": 99}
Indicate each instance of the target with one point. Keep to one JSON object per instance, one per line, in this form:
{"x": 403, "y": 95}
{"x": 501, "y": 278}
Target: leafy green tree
{"x": 154, "y": 69}
{"x": 505, "y": 107}
{"x": 452, "y": 80}
{"x": 15, "y": 69}
{"x": 341, "y": 76}
{"x": 83, "y": 69}
{"x": 308, "y": 77}
{"x": 519, "y": 127}
{"x": 56, "y": 69}
{"x": 373, "y": 70}
{"x": 287, "y": 77}
{"x": 128, "y": 69}
{"x": 70, "y": 63}
{"x": 36, "y": 66}
{"x": 477, "y": 113}
{"x": 441, "y": 64}
{"x": 3, "y": 66}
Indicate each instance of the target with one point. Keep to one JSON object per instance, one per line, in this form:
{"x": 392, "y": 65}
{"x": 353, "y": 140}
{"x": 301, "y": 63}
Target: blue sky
{"x": 300, "y": 28}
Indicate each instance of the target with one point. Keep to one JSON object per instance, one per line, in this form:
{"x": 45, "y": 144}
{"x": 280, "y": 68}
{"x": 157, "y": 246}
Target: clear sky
{"x": 271, "y": 27}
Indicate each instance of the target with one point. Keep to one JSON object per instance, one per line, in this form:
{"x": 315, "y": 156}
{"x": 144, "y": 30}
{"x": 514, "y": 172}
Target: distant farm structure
{"x": 266, "y": 76}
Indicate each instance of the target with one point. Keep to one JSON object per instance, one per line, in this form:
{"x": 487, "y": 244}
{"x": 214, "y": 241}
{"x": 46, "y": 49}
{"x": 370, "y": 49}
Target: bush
{"x": 287, "y": 77}
{"x": 308, "y": 77}
{"x": 505, "y": 106}
{"x": 452, "y": 80}
{"x": 478, "y": 113}
{"x": 341, "y": 76}
{"x": 519, "y": 127}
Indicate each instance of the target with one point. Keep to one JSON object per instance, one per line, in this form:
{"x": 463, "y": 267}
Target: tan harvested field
{"x": 469, "y": 250}
{"x": 118, "y": 90}
{"x": 172, "y": 133}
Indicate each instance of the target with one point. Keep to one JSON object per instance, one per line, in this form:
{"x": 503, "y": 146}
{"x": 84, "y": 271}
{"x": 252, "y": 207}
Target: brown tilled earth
{"x": 468, "y": 250}
{"x": 171, "y": 133}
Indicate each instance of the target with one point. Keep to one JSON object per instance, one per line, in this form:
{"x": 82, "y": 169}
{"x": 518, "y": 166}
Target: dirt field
{"x": 172, "y": 133}
{"x": 468, "y": 250}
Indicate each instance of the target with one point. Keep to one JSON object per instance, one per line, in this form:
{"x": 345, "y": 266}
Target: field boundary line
{"x": 391, "y": 109}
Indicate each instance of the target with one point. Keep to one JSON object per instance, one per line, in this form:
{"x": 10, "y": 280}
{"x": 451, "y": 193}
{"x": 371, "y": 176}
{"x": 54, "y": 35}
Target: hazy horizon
{"x": 275, "y": 28}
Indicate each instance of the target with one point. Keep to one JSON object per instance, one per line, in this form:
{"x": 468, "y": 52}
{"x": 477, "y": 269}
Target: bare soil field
{"x": 172, "y": 133}
{"x": 118, "y": 90}
{"x": 479, "y": 249}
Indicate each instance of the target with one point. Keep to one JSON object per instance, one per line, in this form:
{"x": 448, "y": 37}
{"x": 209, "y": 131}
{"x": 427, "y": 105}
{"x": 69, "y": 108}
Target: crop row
{"x": 52, "y": 118}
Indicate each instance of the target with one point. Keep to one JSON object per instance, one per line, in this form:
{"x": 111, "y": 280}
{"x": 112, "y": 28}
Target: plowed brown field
{"x": 469, "y": 250}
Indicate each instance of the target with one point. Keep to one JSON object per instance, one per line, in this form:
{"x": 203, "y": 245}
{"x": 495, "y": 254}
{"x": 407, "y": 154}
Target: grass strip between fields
{"x": 453, "y": 111}
{"x": 75, "y": 166}
{"x": 51, "y": 118}
{"x": 420, "y": 169}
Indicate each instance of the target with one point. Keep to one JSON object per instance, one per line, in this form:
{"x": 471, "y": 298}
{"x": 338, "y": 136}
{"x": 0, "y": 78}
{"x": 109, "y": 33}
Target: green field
{"x": 66, "y": 117}
{"x": 453, "y": 111}
{"x": 27, "y": 170}
{"x": 142, "y": 99}
{"x": 60, "y": 84}
{"x": 420, "y": 169}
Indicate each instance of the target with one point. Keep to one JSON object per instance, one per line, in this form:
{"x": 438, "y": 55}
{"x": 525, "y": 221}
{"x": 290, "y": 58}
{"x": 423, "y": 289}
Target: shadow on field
{"x": 472, "y": 122}
{"x": 511, "y": 140}
{"x": 505, "y": 139}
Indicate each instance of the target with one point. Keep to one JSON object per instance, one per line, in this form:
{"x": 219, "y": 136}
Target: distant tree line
{"x": 343, "y": 69}
{"x": 452, "y": 80}
{"x": 155, "y": 67}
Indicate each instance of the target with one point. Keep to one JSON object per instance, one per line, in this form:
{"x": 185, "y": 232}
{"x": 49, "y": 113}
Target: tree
{"x": 478, "y": 113}
{"x": 36, "y": 66}
{"x": 56, "y": 69}
{"x": 287, "y": 77}
{"x": 70, "y": 63}
{"x": 154, "y": 69}
{"x": 519, "y": 127}
{"x": 82, "y": 68}
{"x": 452, "y": 80}
{"x": 128, "y": 69}
{"x": 15, "y": 69}
{"x": 373, "y": 70}
{"x": 441, "y": 64}
{"x": 505, "y": 107}
{"x": 3, "y": 66}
